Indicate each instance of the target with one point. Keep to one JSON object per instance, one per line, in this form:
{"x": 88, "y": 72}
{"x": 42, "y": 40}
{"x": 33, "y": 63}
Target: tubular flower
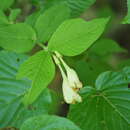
{"x": 72, "y": 76}
{"x": 70, "y": 95}
{"x": 71, "y": 84}
{"x": 73, "y": 79}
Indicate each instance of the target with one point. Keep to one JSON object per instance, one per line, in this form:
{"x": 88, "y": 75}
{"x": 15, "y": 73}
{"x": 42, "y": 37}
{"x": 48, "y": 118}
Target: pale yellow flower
{"x": 73, "y": 79}
{"x": 70, "y": 95}
{"x": 71, "y": 83}
{"x": 72, "y": 76}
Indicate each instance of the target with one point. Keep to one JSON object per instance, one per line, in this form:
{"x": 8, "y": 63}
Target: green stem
{"x": 63, "y": 62}
{"x": 43, "y": 46}
{"x": 56, "y": 59}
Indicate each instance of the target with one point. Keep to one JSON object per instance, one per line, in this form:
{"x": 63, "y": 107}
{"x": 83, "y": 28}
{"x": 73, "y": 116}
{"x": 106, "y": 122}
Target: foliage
{"x": 14, "y": 37}
{"x": 40, "y": 69}
{"x": 50, "y": 22}
{"x": 76, "y": 32}
{"x": 127, "y": 18}
{"x": 13, "y": 112}
{"x": 54, "y": 37}
{"x": 6, "y": 4}
{"x": 110, "y": 95}
{"x": 49, "y": 123}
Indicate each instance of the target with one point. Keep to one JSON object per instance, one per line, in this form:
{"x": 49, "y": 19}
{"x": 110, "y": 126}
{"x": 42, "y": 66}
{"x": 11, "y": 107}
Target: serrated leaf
{"x": 13, "y": 112}
{"x": 14, "y": 14}
{"x": 40, "y": 106}
{"x": 108, "y": 104}
{"x": 76, "y": 35}
{"x": 40, "y": 69}
{"x": 106, "y": 46}
{"x": 49, "y": 21}
{"x": 11, "y": 90}
{"x": 48, "y": 122}
{"x": 17, "y": 37}
{"x": 5, "y": 4}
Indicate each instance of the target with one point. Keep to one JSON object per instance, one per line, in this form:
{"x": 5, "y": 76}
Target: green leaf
{"x": 77, "y": 7}
{"x": 40, "y": 69}
{"x": 31, "y": 19}
{"x": 14, "y": 14}
{"x": 48, "y": 122}
{"x": 124, "y": 63}
{"x": 49, "y": 21}
{"x": 105, "y": 47}
{"x": 40, "y": 106}
{"x": 126, "y": 20}
{"x": 11, "y": 90}
{"x": 17, "y": 37}
{"x": 87, "y": 70}
{"x": 3, "y": 19}
{"x": 13, "y": 112}
{"x": 107, "y": 105}
{"x": 5, "y": 4}
{"x": 76, "y": 35}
